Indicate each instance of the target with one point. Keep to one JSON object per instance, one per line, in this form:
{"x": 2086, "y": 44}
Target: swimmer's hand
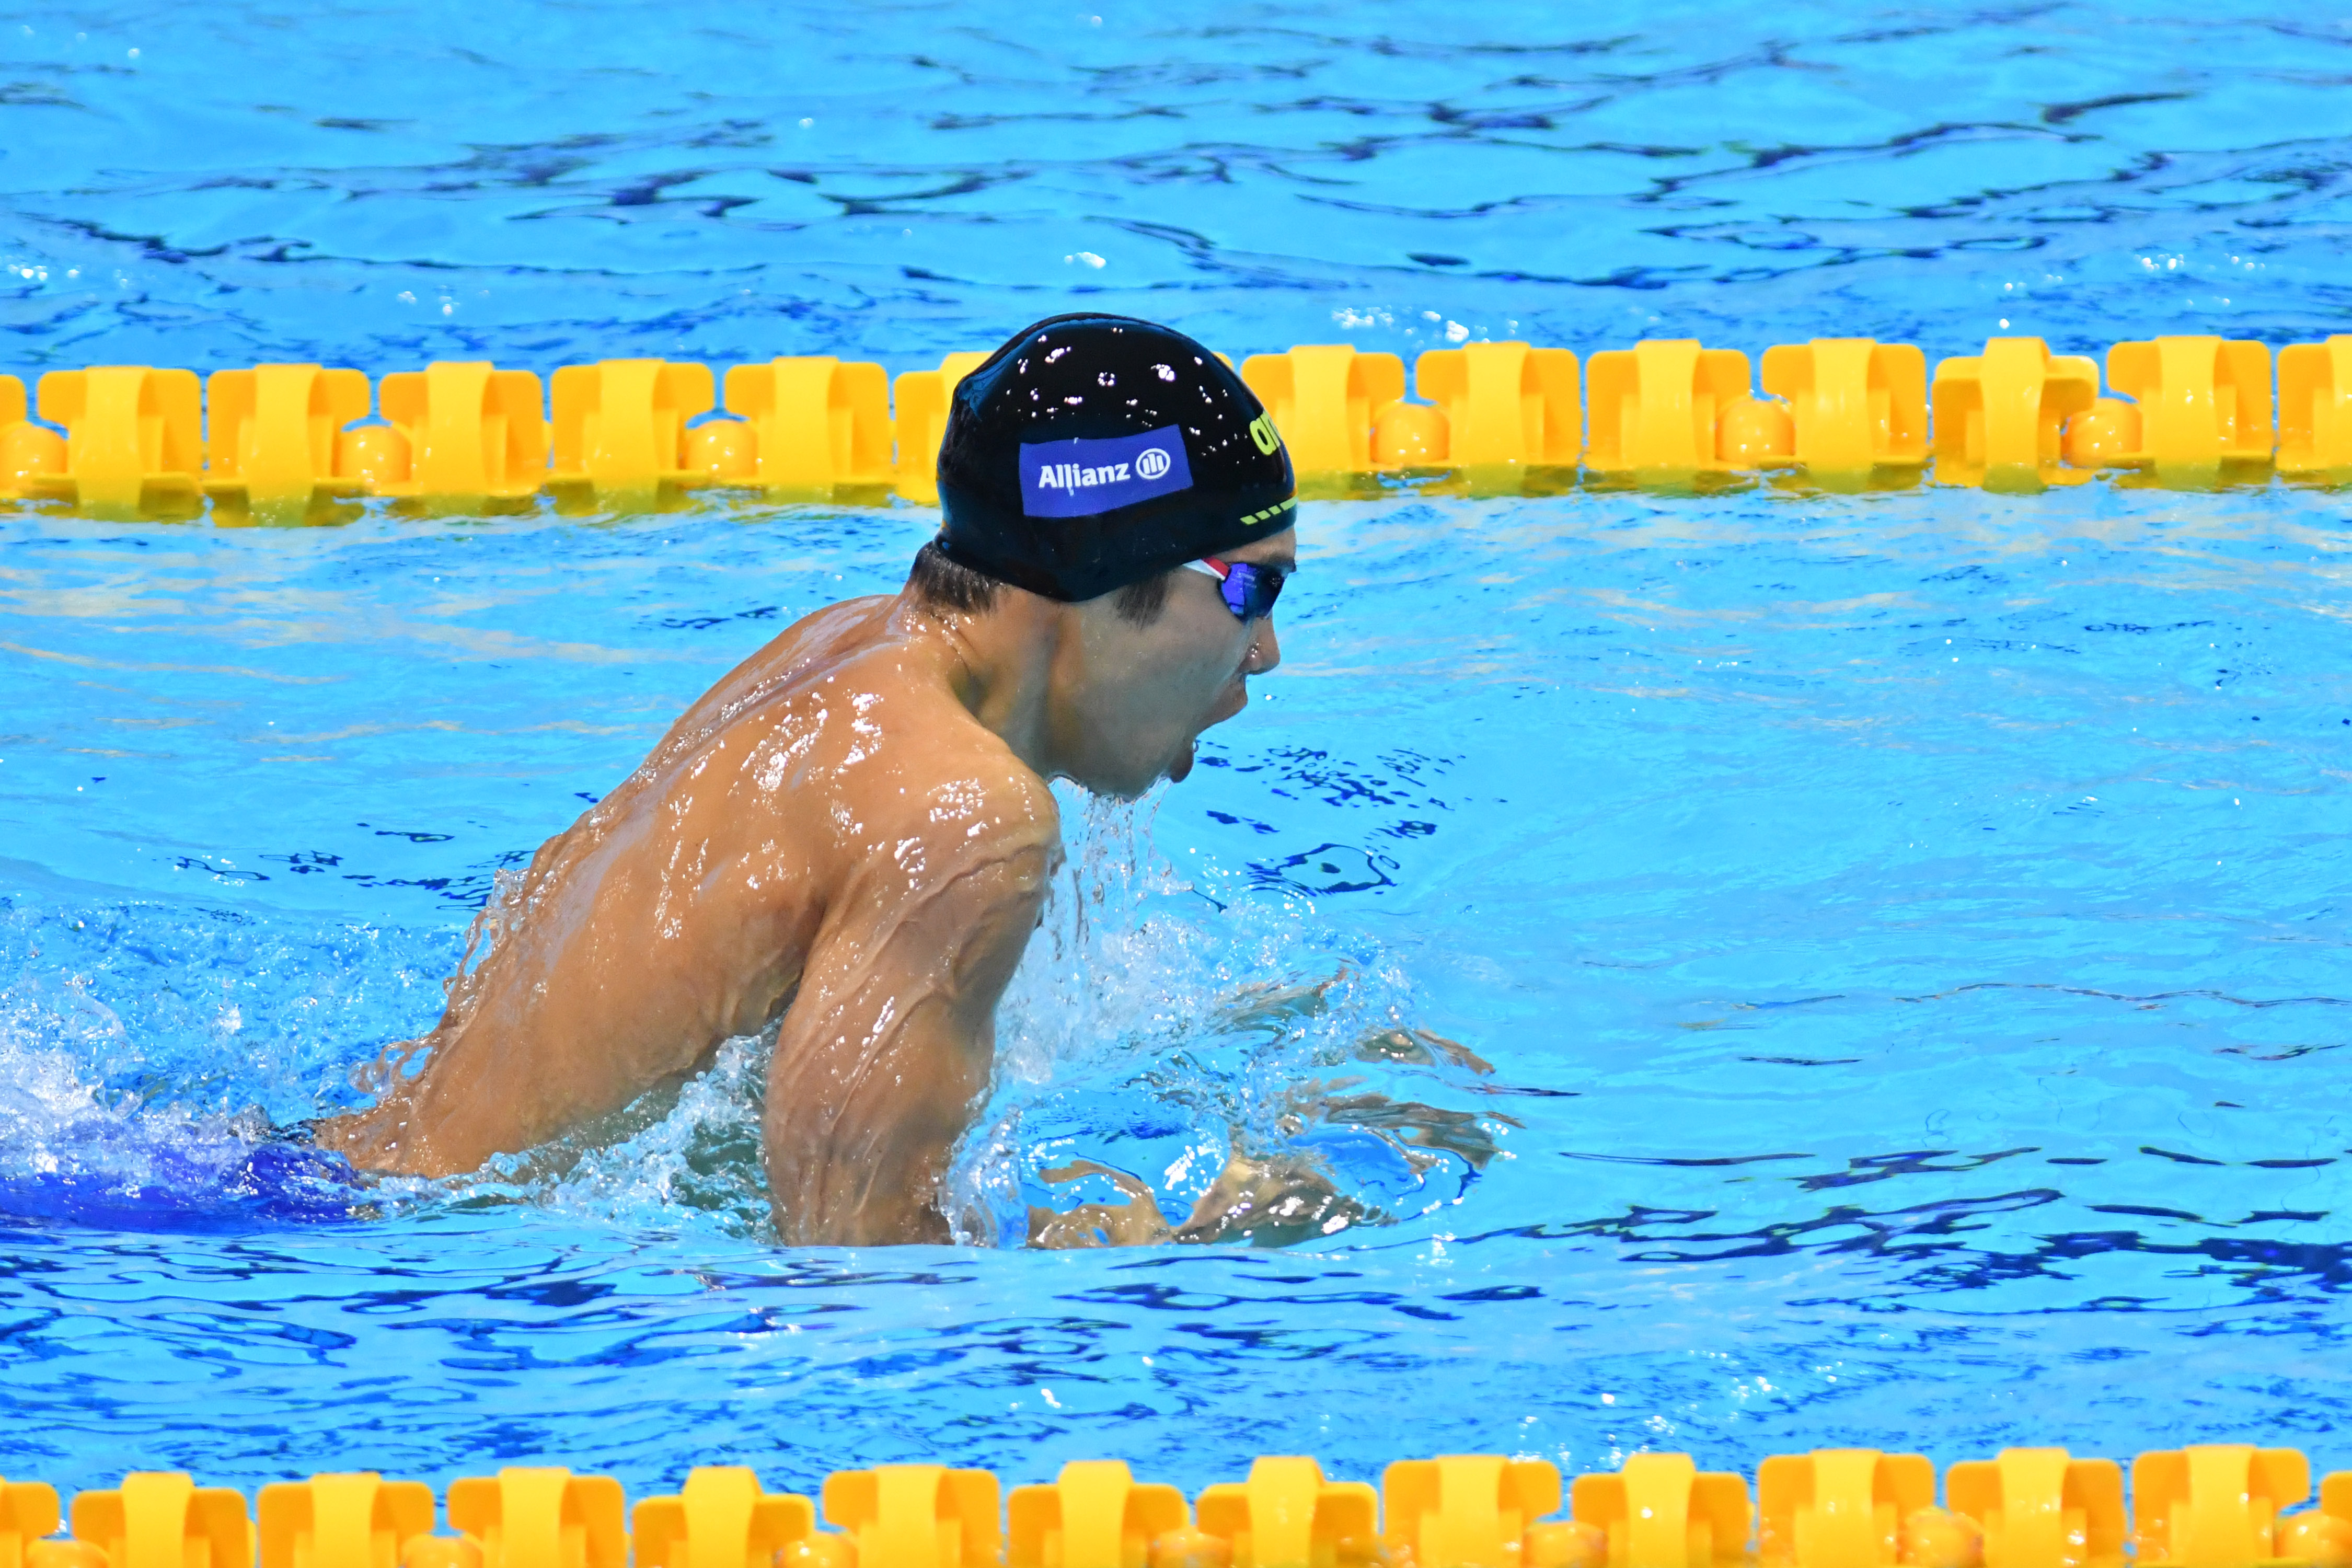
{"x": 1134, "y": 1223}
{"x": 1257, "y": 1203}
{"x": 1268, "y": 1203}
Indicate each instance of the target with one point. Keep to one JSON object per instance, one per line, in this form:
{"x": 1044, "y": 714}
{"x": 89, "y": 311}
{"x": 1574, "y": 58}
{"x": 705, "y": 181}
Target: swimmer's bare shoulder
{"x": 948, "y": 845}
{"x": 829, "y": 833}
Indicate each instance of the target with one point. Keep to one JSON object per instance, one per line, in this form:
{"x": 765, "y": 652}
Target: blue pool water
{"x": 1907, "y": 932}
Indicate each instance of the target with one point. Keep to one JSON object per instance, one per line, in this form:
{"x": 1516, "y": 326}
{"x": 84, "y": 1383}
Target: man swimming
{"x": 853, "y": 831}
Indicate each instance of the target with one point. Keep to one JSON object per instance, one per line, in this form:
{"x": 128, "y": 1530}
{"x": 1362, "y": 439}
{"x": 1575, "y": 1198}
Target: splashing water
{"x": 679, "y": 1158}
{"x": 154, "y": 1059}
{"x": 1152, "y": 1032}
{"x": 1158, "y": 1027}
{"x": 1154, "y": 1029}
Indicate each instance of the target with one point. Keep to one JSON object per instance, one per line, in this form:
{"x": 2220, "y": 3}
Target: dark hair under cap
{"x": 1093, "y": 451}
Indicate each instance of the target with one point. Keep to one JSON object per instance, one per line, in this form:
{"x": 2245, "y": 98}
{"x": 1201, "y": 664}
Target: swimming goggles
{"x": 1249, "y": 590}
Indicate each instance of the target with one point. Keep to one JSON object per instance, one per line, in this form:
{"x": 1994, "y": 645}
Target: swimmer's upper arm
{"x": 890, "y": 1038}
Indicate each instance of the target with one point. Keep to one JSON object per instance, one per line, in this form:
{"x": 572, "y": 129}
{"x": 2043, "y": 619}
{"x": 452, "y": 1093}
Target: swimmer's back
{"x": 683, "y": 907}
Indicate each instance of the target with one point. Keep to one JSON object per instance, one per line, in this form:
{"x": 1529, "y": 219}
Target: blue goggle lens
{"x": 1249, "y": 589}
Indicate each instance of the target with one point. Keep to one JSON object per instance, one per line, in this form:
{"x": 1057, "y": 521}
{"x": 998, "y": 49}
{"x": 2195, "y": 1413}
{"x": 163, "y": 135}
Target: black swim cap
{"x": 1091, "y": 452}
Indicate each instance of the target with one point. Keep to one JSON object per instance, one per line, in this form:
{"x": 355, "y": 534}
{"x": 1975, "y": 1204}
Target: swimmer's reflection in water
{"x": 852, "y": 835}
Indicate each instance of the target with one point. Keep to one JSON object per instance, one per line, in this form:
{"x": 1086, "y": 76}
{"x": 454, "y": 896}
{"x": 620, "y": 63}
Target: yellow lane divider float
{"x": 2220, "y": 1506}
{"x": 286, "y": 443}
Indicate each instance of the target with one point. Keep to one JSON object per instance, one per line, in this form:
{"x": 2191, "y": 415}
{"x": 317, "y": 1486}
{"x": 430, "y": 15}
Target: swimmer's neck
{"x": 1001, "y": 663}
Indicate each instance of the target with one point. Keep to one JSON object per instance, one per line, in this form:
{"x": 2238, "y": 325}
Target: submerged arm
{"x": 889, "y": 1042}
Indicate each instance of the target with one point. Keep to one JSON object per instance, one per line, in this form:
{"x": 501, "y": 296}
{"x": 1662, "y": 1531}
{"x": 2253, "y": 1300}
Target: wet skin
{"x": 853, "y": 830}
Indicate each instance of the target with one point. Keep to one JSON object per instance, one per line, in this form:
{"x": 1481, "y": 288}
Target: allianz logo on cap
{"x": 1080, "y": 477}
{"x": 1149, "y": 464}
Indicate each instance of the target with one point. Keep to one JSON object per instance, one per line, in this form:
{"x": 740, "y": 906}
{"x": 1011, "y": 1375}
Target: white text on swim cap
{"x": 1070, "y": 476}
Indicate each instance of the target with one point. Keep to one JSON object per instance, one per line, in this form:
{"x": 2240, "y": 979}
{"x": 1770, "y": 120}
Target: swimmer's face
{"x": 1145, "y": 693}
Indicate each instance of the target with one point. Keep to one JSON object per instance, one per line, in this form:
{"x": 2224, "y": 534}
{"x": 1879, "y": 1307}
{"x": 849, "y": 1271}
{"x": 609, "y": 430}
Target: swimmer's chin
{"x": 1181, "y": 764}
{"x": 1136, "y": 786}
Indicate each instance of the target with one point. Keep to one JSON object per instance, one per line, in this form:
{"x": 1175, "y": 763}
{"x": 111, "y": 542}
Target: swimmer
{"x": 851, "y": 834}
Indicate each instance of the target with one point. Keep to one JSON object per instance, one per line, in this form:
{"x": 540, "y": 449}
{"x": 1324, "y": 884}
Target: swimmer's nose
{"x": 1265, "y": 649}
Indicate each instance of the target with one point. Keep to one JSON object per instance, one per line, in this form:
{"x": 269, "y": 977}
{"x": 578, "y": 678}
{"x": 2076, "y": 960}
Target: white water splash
{"x": 1155, "y": 1030}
